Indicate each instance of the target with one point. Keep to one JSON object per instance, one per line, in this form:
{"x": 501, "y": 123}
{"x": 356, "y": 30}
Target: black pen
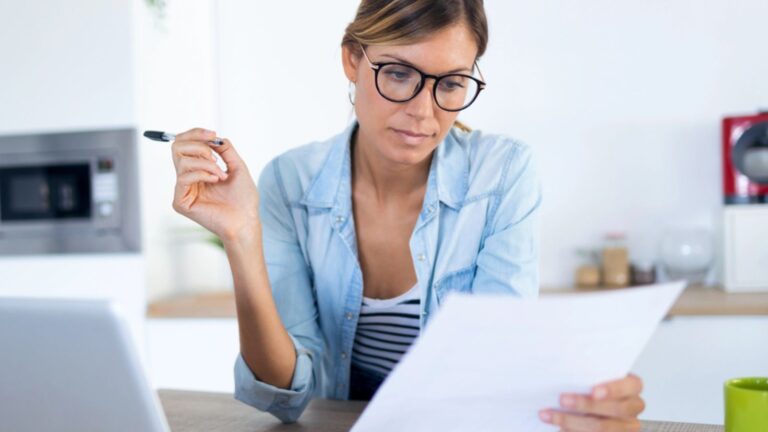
{"x": 166, "y": 137}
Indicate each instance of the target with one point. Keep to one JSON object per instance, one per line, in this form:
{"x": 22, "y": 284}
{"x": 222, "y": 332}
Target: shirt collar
{"x": 448, "y": 174}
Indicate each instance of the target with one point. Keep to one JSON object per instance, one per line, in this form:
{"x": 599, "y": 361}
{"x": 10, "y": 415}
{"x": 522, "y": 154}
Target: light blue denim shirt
{"x": 477, "y": 232}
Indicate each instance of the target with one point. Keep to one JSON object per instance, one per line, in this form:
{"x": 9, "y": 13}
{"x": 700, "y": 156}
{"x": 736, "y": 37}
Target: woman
{"x": 350, "y": 244}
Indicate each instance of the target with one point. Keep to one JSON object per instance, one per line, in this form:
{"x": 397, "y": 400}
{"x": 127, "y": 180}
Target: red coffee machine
{"x": 745, "y": 159}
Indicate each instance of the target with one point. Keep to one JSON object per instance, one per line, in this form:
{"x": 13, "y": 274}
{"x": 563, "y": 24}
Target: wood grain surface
{"x": 203, "y": 412}
{"x": 695, "y": 301}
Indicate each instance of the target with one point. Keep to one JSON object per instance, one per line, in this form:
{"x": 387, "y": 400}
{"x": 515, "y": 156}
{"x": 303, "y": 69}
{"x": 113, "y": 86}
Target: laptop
{"x": 70, "y": 365}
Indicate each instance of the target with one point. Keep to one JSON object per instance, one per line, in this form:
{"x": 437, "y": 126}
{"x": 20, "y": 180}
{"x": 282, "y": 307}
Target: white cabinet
{"x": 688, "y": 359}
{"x": 746, "y": 247}
{"x": 192, "y": 354}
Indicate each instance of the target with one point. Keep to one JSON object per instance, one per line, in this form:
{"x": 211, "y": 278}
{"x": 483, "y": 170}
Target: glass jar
{"x": 588, "y": 272}
{"x": 615, "y": 260}
{"x": 687, "y": 253}
{"x": 643, "y": 273}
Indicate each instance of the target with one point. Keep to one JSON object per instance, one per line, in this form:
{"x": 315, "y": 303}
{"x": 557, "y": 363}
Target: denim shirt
{"x": 477, "y": 232}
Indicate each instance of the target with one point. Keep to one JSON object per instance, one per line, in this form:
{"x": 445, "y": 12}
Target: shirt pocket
{"x": 459, "y": 281}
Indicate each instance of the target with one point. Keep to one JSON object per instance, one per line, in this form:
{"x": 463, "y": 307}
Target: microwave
{"x": 71, "y": 192}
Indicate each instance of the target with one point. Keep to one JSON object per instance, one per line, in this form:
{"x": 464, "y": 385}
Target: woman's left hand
{"x": 612, "y": 406}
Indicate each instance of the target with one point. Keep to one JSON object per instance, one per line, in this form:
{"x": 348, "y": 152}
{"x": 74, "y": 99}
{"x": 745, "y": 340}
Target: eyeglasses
{"x": 398, "y": 82}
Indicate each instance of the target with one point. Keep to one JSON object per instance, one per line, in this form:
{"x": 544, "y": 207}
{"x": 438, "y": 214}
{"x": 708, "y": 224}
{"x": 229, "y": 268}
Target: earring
{"x": 351, "y": 92}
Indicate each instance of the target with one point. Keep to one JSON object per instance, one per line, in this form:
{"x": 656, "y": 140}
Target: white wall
{"x": 281, "y": 79}
{"x": 65, "y": 65}
{"x": 620, "y": 100}
{"x": 176, "y": 76}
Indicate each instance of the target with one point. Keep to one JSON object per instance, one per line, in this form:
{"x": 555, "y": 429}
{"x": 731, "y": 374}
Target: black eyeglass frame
{"x": 424, "y": 76}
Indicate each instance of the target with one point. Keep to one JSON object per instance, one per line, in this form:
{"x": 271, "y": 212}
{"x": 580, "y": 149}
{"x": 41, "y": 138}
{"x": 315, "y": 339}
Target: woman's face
{"x": 407, "y": 133}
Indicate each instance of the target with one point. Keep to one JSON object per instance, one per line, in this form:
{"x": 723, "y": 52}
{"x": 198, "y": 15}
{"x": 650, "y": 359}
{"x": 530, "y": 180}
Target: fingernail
{"x": 568, "y": 401}
{"x": 600, "y": 393}
{"x": 545, "y": 416}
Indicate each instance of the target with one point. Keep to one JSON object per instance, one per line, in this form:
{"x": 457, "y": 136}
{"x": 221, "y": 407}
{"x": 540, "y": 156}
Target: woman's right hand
{"x": 227, "y": 204}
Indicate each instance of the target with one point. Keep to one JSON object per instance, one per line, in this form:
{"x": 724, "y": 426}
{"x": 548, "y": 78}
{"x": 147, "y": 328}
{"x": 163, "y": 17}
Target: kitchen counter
{"x": 701, "y": 301}
{"x": 695, "y": 301}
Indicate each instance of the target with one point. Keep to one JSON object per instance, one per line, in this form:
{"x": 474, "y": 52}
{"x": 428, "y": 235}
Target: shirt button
{"x": 349, "y": 315}
{"x": 344, "y": 355}
{"x": 339, "y": 219}
{"x": 421, "y": 257}
{"x": 431, "y": 209}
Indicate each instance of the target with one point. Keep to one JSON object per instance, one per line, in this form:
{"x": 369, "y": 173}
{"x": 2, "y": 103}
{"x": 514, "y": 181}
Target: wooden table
{"x": 196, "y": 411}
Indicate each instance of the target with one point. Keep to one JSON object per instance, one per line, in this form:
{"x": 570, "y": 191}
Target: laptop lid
{"x": 69, "y": 365}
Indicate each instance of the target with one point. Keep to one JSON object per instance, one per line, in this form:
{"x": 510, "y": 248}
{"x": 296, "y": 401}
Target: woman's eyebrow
{"x": 404, "y": 61}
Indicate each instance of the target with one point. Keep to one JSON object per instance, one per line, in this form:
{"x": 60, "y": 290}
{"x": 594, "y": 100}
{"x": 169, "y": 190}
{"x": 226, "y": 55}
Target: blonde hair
{"x": 402, "y": 22}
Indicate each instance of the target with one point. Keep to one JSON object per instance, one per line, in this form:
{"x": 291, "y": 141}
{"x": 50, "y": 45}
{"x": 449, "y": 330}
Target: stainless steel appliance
{"x": 73, "y": 192}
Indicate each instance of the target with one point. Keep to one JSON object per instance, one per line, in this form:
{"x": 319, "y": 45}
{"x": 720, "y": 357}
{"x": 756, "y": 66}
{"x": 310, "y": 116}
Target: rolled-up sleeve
{"x": 508, "y": 260}
{"x": 289, "y": 276}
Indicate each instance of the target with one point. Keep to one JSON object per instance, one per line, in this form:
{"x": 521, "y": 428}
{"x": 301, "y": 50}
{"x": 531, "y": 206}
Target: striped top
{"x": 386, "y": 329}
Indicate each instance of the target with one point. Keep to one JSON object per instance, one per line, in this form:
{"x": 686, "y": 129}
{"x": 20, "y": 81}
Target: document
{"x": 492, "y": 362}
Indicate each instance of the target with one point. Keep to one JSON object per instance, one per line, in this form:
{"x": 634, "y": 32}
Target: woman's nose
{"x": 423, "y": 105}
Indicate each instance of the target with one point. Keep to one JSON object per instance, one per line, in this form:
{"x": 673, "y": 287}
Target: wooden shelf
{"x": 220, "y": 304}
{"x": 695, "y": 301}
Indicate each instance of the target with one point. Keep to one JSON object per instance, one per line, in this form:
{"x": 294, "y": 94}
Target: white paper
{"x": 492, "y": 362}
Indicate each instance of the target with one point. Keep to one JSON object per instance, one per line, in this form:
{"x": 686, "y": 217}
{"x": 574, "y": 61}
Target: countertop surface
{"x": 695, "y": 301}
{"x": 197, "y": 411}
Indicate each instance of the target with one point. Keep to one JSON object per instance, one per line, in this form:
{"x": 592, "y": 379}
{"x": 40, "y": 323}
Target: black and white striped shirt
{"x": 386, "y": 329}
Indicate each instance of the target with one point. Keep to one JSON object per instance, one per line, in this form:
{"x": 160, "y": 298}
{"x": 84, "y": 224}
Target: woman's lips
{"x": 413, "y": 138}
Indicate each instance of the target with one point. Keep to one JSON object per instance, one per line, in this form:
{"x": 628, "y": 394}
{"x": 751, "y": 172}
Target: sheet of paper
{"x": 491, "y": 362}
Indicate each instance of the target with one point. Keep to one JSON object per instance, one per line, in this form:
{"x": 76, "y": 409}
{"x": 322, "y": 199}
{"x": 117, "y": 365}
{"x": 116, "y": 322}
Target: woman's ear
{"x": 350, "y": 59}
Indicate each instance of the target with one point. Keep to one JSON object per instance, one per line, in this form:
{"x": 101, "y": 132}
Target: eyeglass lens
{"x": 400, "y": 83}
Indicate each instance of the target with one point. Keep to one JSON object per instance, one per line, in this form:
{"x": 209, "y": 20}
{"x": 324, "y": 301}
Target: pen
{"x": 166, "y": 137}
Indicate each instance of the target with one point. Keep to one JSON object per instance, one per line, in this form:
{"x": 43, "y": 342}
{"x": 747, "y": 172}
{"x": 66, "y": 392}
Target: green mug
{"x": 746, "y": 405}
